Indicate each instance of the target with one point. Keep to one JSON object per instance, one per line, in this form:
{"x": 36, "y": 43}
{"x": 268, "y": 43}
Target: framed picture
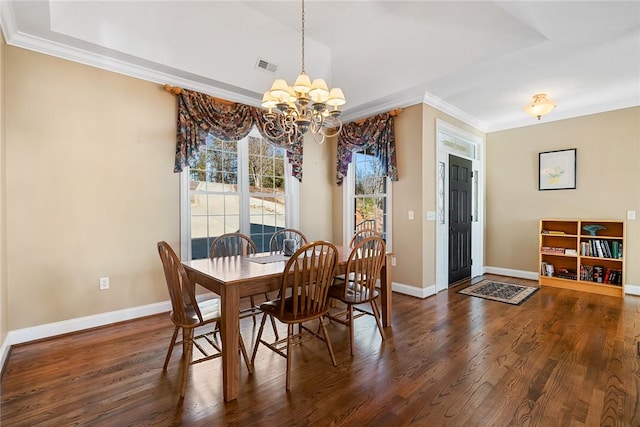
{"x": 557, "y": 170}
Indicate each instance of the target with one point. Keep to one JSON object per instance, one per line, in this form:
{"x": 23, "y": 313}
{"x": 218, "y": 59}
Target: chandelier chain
{"x": 303, "y": 37}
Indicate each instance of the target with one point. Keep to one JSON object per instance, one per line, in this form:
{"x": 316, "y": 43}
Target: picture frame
{"x": 557, "y": 169}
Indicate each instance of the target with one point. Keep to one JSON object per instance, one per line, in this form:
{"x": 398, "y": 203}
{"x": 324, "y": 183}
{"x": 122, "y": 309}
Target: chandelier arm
{"x": 326, "y": 131}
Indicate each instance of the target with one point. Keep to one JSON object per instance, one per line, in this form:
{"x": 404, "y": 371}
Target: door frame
{"x": 453, "y": 140}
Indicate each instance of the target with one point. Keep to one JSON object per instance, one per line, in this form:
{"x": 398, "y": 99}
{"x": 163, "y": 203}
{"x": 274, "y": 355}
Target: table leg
{"x": 230, "y": 334}
{"x": 385, "y": 294}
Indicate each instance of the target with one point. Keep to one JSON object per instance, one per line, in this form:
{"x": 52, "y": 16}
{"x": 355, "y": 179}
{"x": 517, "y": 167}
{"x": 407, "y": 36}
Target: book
{"x": 598, "y": 273}
{"x": 567, "y": 273}
{"x": 598, "y": 249}
{"x": 615, "y": 249}
{"x": 586, "y": 273}
{"x": 549, "y": 270}
{"x": 552, "y": 232}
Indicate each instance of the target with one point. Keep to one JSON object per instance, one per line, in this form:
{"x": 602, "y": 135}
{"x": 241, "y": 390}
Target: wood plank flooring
{"x": 562, "y": 358}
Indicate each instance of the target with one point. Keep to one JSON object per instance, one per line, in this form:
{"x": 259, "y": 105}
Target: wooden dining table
{"x": 235, "y": 277}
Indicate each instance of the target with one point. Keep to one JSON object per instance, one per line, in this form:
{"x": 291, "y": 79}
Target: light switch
{"x": 631, "y": 214}
{"x": 410, "y": 215}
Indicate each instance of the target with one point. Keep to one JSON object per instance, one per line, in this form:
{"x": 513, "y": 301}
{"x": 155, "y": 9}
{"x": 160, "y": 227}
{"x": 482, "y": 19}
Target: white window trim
{"x": 348, "y": 208}
{"x": 292, "y": 199}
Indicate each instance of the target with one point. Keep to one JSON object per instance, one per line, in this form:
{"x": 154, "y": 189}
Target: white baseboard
{"x": 73, "y": 325}
{"x": 632, "y": 289}
{"x": 49, "y": 330}
{"x": 413, "y": 290}
{"x": 4, "y": 351}
{"x": 522, "y": 274}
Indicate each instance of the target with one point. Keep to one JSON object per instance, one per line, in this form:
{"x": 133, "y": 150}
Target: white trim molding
{"x": 632, "y": 289}
{"x": 522, "y": 274}
{"x": 48, "y": 330}
{"x": 413, "y": 291}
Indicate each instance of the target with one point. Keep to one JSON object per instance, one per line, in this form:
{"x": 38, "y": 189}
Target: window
{"x": 368, "y": 196}
{"x": 239, "y": 186}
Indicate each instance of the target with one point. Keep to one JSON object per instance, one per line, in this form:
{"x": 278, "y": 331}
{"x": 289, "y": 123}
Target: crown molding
{"x": 109, "y": 63}
{"x": 454, "y": 112}
{"x": 383, "y": 105}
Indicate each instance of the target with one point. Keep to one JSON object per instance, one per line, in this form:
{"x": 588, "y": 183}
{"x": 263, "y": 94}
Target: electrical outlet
{"x": 393, "y": 261}
{"x": 631, "y": 215}
{"x": 104, "y": 283}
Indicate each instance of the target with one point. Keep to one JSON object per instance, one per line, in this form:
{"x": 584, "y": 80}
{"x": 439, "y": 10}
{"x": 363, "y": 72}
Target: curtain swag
{"x": 376, "y": 132}
{"x": 200, "y": 115}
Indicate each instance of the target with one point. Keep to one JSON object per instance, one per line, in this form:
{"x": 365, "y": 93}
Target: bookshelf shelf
{"x": 571, "y": 257}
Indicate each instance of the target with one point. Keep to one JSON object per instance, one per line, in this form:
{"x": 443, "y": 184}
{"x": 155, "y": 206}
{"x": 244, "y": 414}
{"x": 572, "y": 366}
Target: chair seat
{"x": 354, "y": 295}
{"x": 273, "y": 308}
{"x": 210, "y": 310}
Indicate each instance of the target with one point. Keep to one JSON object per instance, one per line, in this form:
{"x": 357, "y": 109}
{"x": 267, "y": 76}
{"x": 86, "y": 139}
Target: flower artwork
{"x": 557, "y": 170}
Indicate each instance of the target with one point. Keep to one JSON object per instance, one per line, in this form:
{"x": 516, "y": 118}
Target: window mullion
{"x": 243, "y": 185}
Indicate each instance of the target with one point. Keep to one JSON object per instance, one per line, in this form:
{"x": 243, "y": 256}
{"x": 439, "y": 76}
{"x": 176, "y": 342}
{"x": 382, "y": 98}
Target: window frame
{"x": 291, "y": 197}
{"x": 349, "y": 205}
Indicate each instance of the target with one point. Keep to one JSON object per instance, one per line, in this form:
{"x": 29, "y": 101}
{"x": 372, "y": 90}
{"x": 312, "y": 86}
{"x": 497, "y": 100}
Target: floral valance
{"x": 375, "y": 132}
{"x": 200, "y": 115}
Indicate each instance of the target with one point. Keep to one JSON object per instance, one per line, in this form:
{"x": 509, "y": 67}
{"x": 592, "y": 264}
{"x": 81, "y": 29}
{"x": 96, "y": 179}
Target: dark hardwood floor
{"x": 562, "y": 358}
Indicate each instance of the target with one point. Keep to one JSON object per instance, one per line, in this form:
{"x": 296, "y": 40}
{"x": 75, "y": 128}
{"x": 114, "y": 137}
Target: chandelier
{"x": 539, "y": 106}
{"x": 294, "y": 110}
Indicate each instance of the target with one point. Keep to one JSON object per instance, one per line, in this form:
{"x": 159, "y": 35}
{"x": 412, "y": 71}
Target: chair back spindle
{"x": 363, "y": 269}
{"x": 276, "y": 243}
{"x": 307, "y": 277}
{"x": 232, "y": 244}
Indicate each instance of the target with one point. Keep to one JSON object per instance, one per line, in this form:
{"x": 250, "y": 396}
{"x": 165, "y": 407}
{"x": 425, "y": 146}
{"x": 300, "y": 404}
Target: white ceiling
{"x": 480, "y": 61}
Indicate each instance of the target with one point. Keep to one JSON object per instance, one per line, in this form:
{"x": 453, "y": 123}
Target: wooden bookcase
{"x": 579, "y": 260}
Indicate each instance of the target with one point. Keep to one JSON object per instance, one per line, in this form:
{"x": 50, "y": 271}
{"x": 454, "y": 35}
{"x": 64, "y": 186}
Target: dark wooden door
{"x": 459, "y": 219}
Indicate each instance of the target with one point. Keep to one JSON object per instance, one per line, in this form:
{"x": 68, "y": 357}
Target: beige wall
{"x": 90, "y": 188}
{"x": 608, "y": 184}
{"x": 4, "y": 325}
{"x": 407, "y": 195}
{"x": 316, "y": 190}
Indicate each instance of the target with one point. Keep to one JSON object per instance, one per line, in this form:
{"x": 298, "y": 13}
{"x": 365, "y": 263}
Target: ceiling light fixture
{"x": 539, "y": 106}
{"x": 294, "y": 110}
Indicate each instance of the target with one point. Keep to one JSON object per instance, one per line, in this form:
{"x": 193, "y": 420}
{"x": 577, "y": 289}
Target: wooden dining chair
{"x": 232, "y": 244}
{"x": 304, "y": 289}
{"x": 366, "y": 224}
{"x": 276, "y": 243}
{"x": 362, "y": 234}
{"x": 187, "y": 314}
{"x": 362, "y": 272}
